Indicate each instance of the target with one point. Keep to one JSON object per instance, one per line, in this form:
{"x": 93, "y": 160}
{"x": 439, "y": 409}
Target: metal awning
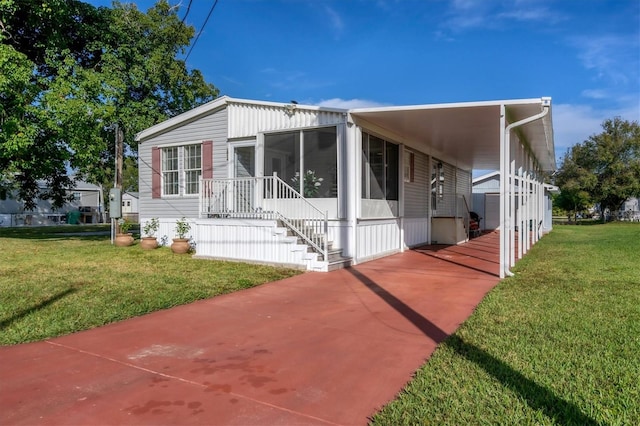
{"x": 465, "y": 134}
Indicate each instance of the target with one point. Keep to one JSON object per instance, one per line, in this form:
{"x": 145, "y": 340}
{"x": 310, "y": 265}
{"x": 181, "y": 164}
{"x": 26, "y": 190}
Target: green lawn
{"x": 52, "y": 283}
{"x": 559, "y": 343}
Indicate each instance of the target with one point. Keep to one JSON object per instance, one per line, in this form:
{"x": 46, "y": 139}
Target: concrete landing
{"x": 316, "y": 349}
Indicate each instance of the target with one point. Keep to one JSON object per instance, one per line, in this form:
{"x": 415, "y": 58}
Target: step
{"x": 342, "y": 262}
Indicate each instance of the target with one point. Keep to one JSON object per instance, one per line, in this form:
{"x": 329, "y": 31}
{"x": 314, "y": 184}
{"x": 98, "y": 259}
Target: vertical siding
{"x": 416, "y": 193}
{"x": 247, "y": 120}
{"x": 377, "y": 238}
{"x": 211, "y": 127}
{"x": 416, "y": 231}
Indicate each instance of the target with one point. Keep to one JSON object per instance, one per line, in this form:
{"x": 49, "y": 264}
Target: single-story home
{"x": 630, "y": 210}
{"x": 317, "y": 187}
{"x": 486, "y": 202}
{"x": 85, "y": 202}
{"x": 130, "y": 207}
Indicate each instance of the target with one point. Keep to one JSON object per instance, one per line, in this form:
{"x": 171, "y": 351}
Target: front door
{"x": 244, "y": 161}
{"x": 243, "y": 191}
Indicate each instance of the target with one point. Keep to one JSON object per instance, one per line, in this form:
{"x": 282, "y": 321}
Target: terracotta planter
{"x": 123, "y": 240}
{"x": 148, "y": 243}
{"x": 180, "y": 245}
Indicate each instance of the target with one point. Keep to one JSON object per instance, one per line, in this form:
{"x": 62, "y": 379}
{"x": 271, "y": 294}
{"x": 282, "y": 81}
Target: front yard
{"x": 53, "y": 283}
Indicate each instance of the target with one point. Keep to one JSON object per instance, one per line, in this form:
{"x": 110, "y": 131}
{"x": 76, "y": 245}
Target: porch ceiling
{"x": 466, "y": 133}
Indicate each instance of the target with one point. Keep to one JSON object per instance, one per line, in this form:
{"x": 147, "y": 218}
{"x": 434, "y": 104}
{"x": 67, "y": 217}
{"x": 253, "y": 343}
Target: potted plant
{"x": 123, "y": 237}
{"x": 310, "y": 183}
{"x": 180, "y": 244}
{"x": 149, "y": 241}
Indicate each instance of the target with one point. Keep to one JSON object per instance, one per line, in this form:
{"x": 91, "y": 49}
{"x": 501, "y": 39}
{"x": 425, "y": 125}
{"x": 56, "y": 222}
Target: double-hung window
{"x": 181, "y": 169}
{"x": 170, "y": 172}
{"x": 192, "y": 168}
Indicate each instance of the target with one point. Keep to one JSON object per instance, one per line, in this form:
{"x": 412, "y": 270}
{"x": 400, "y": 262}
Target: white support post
{"x": 504, "y": 179}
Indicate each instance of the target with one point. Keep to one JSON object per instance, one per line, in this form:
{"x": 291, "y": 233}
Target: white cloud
{"x": 335, "y": 19}
{"x": 349, "y": 103}
{"x": 574, "y": 124}
{"x": 607, "y": 55}
{"x": 470, "y": 14}
{"x": 531, "y": 14}
{"x": 595, "y": 94}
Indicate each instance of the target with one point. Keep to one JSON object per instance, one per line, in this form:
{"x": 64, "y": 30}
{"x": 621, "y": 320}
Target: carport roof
{"x": 467, "y": 133}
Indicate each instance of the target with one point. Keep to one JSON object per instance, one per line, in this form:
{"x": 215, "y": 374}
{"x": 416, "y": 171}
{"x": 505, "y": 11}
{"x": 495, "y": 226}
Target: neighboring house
{"x": 317, "y": 187}
{"x": 130, "y": 207}
{"x": 486, "y": 202}
{"x": 86, "y": 204}
{"x": 630, "y": 210}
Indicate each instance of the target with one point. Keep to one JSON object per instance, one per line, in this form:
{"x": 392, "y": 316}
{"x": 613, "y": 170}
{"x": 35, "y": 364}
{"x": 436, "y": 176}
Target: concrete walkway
{"x": 316, "y": 349}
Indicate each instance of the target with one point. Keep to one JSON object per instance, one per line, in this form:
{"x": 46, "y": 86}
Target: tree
{"x": 69, "y": 71}
{"x": 606, "y": 167}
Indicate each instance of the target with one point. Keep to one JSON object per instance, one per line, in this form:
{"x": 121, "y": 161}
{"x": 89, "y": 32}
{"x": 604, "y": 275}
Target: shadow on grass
{"x": 7, "y": 322}
{"x": 537, "y": 397}
{"x": 85, "y": 232}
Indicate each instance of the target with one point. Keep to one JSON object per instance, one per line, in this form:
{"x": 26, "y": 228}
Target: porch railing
{"x": 267, "y": 197}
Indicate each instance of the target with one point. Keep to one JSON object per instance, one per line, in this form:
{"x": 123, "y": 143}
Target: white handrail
{"x": 266, "y": 197}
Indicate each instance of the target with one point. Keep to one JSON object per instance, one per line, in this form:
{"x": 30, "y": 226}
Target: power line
{"x": 201, "y": 29}
{"x": 187, "y": 13}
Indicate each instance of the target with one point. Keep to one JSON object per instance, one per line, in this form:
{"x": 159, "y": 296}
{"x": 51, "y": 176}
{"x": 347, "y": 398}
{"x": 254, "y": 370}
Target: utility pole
{"x": 119, "y": 157}
{"x": 117, "y": 181}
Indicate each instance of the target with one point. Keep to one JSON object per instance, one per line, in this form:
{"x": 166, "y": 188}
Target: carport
{"x": 514, "y": 137}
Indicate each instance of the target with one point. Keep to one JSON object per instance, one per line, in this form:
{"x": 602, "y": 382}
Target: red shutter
{"x": 412, "y": 167}
{"x": 156, "y": 182}
{"x": 207, "y": 159}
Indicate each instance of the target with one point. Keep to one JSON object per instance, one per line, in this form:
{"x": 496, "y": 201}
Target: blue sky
{"x": 585, "y": 54}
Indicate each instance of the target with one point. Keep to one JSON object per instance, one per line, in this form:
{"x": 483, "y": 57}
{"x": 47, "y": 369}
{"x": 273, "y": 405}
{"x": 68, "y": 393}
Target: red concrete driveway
{"x": 316, "y": 349}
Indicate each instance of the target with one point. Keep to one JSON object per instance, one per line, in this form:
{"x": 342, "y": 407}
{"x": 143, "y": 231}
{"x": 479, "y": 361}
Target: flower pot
{"x": 123, "y": 240}
{"x": 180, "y": 245}
{"x": 148, "y": 243}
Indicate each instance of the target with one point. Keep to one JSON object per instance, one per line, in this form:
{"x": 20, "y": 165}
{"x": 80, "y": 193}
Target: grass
{"x": 558, "y": 343}
{"x": 53, "y": 283}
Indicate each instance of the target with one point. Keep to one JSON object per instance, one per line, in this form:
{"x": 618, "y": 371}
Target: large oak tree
{"x": 604, "y": 169}
{"x": 69, "y": 71}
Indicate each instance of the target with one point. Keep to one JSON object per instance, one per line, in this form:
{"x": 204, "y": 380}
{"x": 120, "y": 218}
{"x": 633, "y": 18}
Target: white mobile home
{"x": 318, "y": 187}
{"x": 85, "y": 201}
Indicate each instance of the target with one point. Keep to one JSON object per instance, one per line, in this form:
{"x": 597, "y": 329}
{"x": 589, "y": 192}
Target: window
{"x": 76, "y": 196}
{"x": 181, "y": 170}
{"x": 170, "y": 171}
{"x": 311, "y": 153}
{"x": 379, "y": 168}
{"x": 192, "y": 168}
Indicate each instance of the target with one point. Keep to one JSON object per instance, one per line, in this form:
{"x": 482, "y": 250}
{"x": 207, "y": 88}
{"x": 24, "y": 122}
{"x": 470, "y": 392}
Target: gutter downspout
{"x": 505, "y": 160}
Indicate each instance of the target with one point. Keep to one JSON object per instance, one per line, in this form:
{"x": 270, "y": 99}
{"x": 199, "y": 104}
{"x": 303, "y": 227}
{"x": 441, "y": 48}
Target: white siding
{"x": 416, "y": 193}
{"x": 210, "y": 127}
{"x": 247, "y": 120}
{"x": 463, "y": 185}
{"x": 416, "y": 231}
{"x": 260, "y": 241}
{"x": 377, "y": 238}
